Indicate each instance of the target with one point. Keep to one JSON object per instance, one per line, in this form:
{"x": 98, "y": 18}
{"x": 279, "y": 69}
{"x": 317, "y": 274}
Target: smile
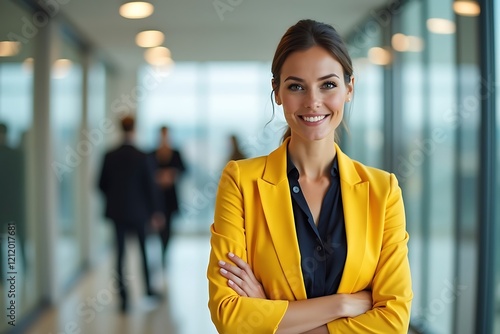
{"x": 313, "y": 119}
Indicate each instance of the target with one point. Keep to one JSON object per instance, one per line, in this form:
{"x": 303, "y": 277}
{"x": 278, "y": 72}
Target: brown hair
{"x": 302, "y": 36}
{"x": 128, "y": 124}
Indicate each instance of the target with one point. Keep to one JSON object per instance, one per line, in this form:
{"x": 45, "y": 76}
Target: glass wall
{"x": 410, "y": 160}
{"x": 66, "y": 112}
{"x": 422, "y": 67}
{"x": 18, "y": 237}
{"x": 95, "y": 132}
{"x": 497, "y": 222}
{"x": 363, "y": 135}
{"x": 204, "y": 104}
{"x": 438, "y": 149}
{"x": 467, "y": 122}
{"x": 40, "y": 271}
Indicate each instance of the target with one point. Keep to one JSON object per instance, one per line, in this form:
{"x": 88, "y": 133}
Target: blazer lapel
{"x": 276, "y": 203}
{"x": 355, "y": 199}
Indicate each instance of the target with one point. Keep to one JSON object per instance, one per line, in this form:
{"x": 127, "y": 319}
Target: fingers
{"x": 234, "y": 276}
{"x": 241, "y": 278}
{"x": 237, "y": 289}
{"x": 244, "y": 266}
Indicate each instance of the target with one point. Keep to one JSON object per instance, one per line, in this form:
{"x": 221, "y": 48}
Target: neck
{"x": 129, "y": 138}
{"x": 313, "y": 159}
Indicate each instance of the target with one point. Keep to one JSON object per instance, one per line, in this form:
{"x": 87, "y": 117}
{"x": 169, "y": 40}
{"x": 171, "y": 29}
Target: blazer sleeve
{"x": 230, "y": 312}
{"x": 391, "y": 285}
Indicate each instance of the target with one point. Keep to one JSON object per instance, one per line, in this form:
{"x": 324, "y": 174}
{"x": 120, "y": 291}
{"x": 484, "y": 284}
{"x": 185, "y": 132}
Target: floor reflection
{"x": 92, "y": 306}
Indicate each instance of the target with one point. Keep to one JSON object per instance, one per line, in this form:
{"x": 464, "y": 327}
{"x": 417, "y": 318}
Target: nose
{"x": 312, "y": 100}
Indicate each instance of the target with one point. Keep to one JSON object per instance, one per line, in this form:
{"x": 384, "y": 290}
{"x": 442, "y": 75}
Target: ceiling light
{"x": 441, "y": 26}
{"x": 136, "y": 9}
{"x": 61, "y": 68}
{"x": 28, "y": 65}
{"x": 9, "y": 48}
{"x": 404, "y": 43}
{"x": 466, "y": 8}
{"x": 149, "y": 38}
{"x": 158, "y": 56}
{"x": 379, "y": 56}
{"x": 400, "y": 42}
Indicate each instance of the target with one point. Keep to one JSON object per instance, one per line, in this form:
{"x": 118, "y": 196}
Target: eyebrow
{"x": 319, "y": 79}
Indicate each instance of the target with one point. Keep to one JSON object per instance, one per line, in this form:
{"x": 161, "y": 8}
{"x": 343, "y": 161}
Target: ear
{"x": 277, "y": 98}
{"x": 350, "y": 90}
{"x": 275, "y": 91}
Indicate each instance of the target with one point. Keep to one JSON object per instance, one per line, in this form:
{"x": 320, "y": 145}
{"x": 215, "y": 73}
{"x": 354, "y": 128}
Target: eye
{"x": 295, "y": 87}
{"x": 329, "y": 85}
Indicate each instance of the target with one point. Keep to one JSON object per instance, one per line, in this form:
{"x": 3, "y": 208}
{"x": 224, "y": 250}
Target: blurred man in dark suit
{"x": 131, "y": 199}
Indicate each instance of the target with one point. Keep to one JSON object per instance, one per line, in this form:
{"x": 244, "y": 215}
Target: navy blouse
{"x": 323, "y": 248}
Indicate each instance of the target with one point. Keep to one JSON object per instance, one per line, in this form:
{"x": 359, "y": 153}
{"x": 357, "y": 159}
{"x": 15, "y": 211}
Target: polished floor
{"x": 92, "y": 306}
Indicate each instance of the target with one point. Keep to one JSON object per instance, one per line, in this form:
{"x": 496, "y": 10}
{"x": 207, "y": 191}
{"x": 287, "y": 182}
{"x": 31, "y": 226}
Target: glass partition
{"x": 497, "y": 247}
{"x": 410, "y": 162}
{"x": 69, "y": 152}
{"x": 438, "y": 148}
{"x": 204, "y": 104}
{"x": 18, "y": 237}
{"x": 363, "y": 136}
{"x": 95, "y": 134}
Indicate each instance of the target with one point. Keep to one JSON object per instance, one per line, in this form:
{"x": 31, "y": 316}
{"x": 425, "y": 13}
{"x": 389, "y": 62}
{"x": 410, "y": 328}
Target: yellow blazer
{"x": 254, "y": 220}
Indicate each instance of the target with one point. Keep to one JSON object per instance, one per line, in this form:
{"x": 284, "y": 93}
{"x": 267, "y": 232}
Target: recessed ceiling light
{"x": 149, "y": 38}
{"x": 61, "y": 68}
{"x": 400, "y": 42}
{"x": 379, "y": 56}
{"x": 9, "y": 48}
{"x": 466, "y": 8}
{"x": 136, "y": 9}
{"x": 406, "y": 43}
{"x": 441, "y": 26}
{"x": 28, "y": 64}
{"x": 158, "y": 56}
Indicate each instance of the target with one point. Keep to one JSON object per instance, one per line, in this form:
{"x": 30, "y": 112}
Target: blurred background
{"x": 424, "y": 108}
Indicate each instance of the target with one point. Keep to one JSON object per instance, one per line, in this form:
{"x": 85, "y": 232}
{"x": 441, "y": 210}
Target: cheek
{"x": 290, "y": 104}
{"x": 335, "y": 102}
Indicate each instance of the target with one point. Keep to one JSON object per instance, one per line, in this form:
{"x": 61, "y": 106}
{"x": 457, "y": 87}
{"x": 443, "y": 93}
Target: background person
{"x": 132, "y": 203}
{"x": 169, "y": 167}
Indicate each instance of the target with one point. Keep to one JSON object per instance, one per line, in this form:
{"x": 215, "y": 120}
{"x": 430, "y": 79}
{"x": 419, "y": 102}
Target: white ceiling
{"x": 194, "y": 31}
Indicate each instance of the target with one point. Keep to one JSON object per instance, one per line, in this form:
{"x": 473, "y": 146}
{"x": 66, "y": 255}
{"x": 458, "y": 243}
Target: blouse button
{"x": 296, "y": 189}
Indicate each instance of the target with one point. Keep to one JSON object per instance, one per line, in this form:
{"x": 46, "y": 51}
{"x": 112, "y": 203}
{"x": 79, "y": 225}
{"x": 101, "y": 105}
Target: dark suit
{"x": 169, "y": 198}
{"x": 131, "y": 199}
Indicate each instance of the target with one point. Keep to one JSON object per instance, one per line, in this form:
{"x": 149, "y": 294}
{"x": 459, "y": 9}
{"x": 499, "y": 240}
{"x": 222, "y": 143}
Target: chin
{"x": 315, "y": 137}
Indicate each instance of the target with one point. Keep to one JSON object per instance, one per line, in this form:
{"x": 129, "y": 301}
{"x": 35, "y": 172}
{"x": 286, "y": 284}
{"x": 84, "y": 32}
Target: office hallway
{"x": 92, "y": 305}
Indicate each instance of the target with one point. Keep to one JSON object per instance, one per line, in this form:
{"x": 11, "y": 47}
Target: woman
{"x": 169, "y": 167}
{"x": 306, "y": 240}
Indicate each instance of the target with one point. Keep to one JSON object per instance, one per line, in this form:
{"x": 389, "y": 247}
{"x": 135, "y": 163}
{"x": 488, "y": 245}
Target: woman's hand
{"x": 241, "y": 278}
{"x": 356, "y": 304}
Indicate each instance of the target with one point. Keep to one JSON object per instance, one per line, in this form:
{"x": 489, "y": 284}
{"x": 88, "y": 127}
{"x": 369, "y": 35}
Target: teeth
{"x": 313, "y": 119}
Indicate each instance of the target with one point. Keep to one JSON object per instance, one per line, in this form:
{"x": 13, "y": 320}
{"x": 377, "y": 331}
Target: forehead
{"x": 315, "y": 61}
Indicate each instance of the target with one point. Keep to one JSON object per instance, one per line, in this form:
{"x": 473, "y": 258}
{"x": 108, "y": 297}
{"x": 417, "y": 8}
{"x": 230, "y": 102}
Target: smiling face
{"x": 313, "y": 92}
